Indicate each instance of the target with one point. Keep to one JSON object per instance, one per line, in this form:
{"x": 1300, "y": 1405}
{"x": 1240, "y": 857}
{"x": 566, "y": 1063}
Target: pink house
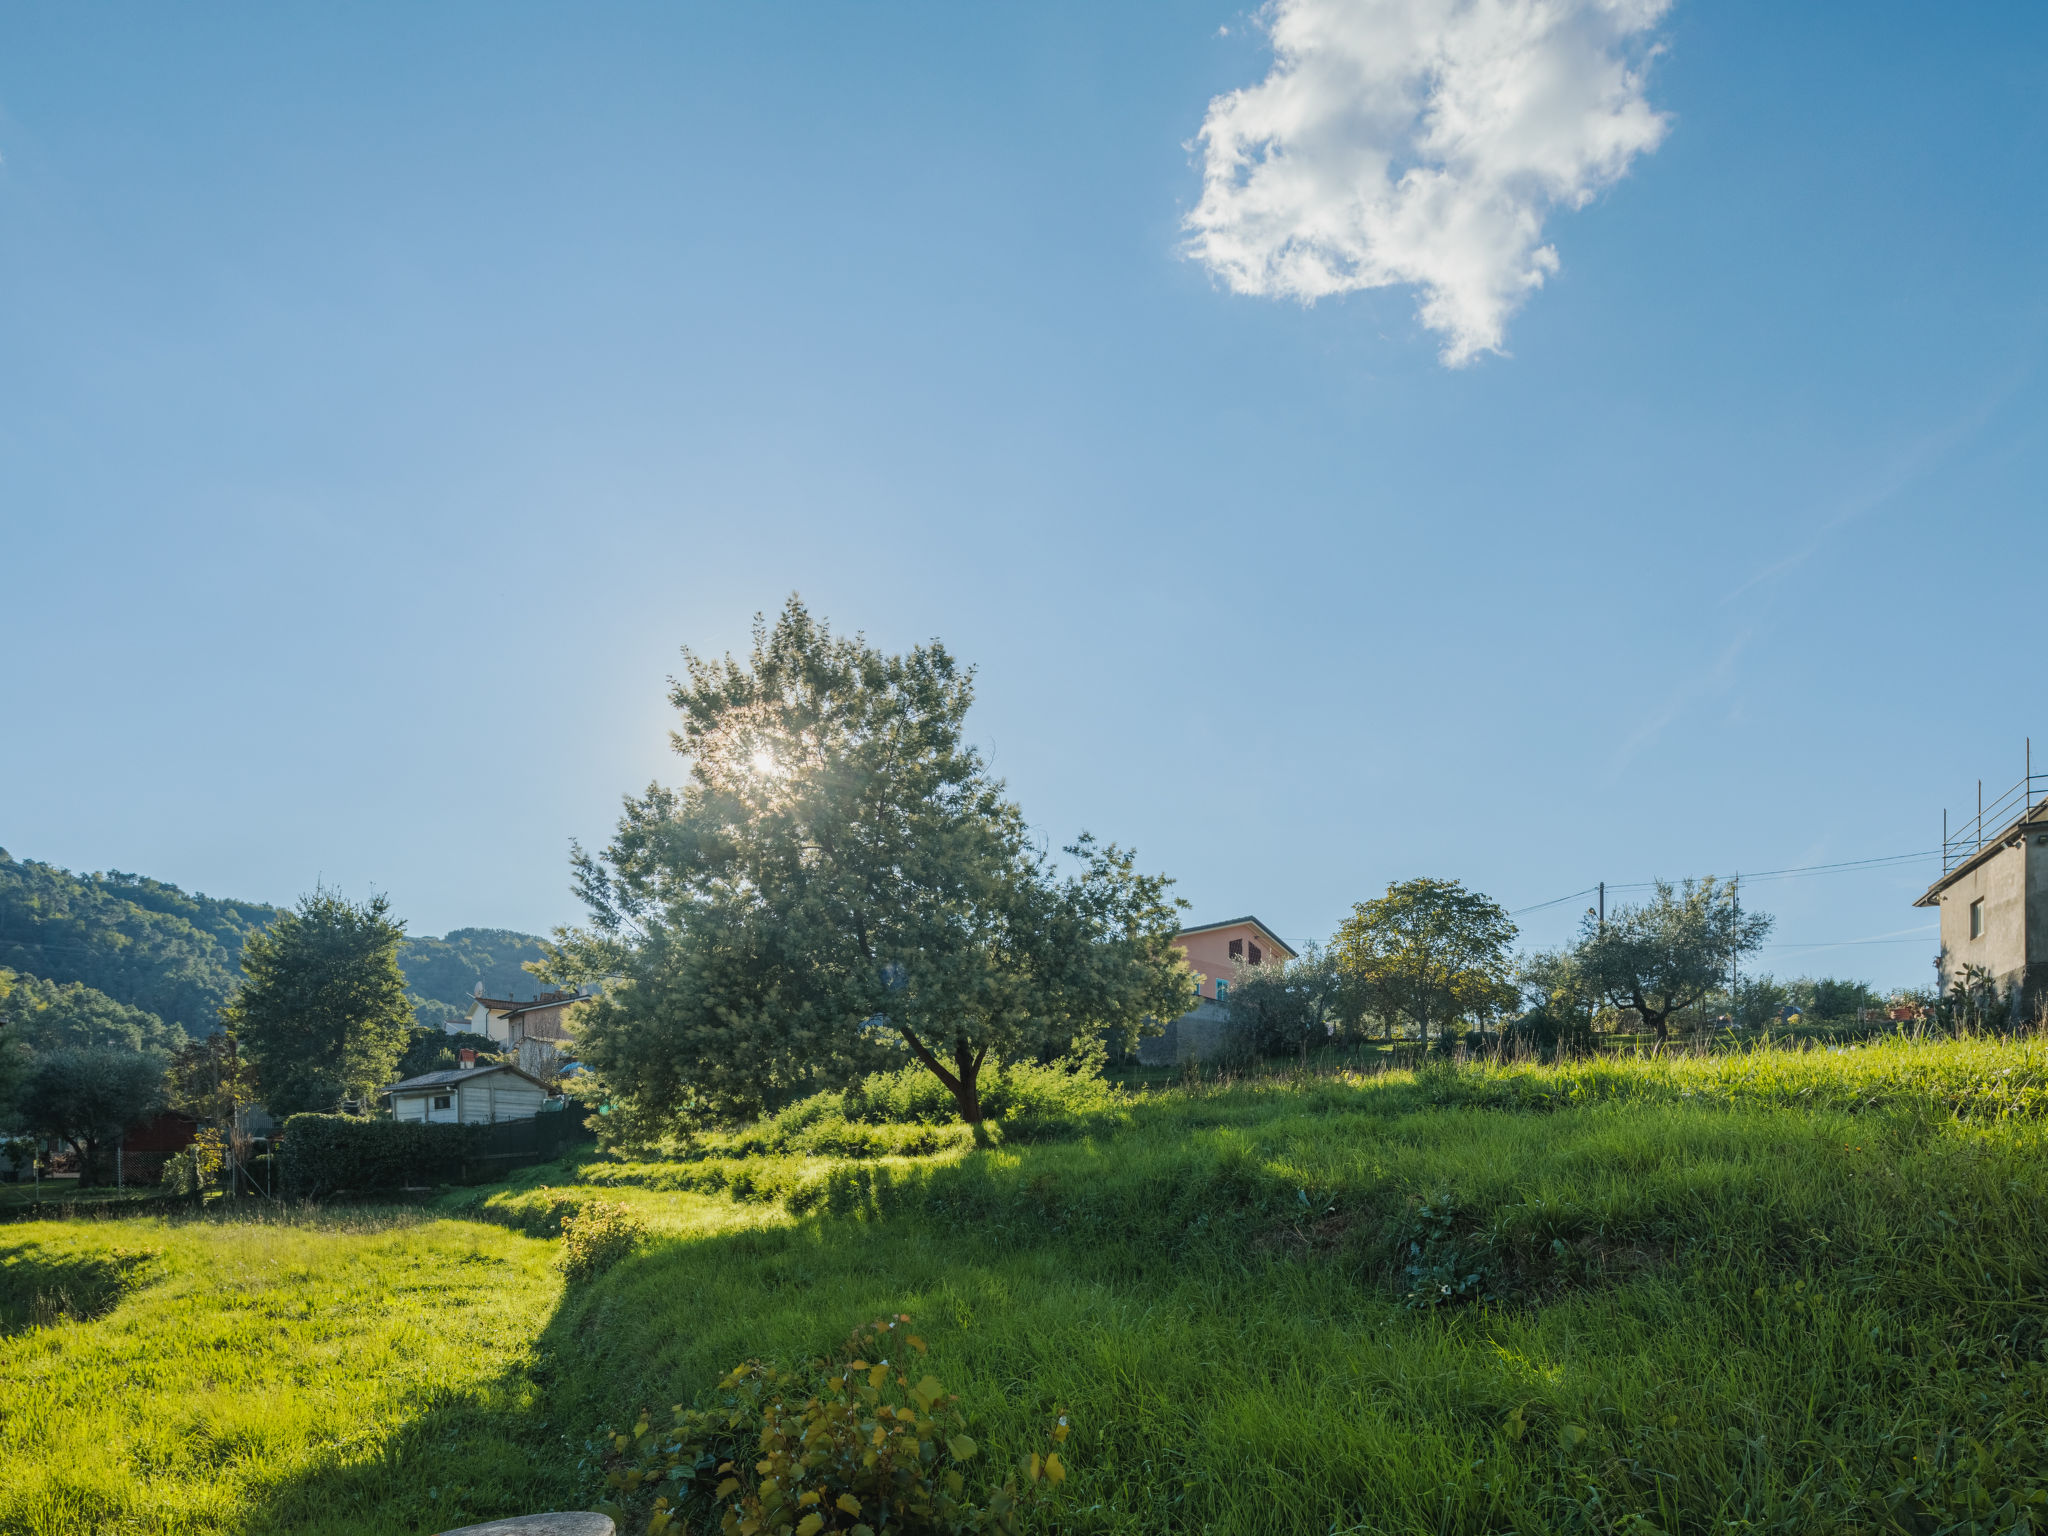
{"x": 1216, "y": 950}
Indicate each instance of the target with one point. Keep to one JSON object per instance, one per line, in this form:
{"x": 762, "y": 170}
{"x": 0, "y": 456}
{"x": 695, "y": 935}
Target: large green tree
{"x": 1428, "y": 952}
{"x": 840, "y": 883}
{"x": 322, "y": 1013}
{"x": 89, "y": 1098}
{"x": 1667, "y": 953}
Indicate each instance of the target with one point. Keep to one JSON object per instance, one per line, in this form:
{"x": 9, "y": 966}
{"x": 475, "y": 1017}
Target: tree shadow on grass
{"x": 40, "y": 1288}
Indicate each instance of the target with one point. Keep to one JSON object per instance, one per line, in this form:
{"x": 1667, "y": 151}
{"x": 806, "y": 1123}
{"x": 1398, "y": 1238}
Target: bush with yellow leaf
{"x": 595, "y": 1235}
{"x": 868, "y": 1442}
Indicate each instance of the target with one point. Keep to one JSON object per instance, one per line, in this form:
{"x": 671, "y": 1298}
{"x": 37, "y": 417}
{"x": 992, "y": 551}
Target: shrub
{"x": 848, "y": 1445}
{"x": 196, "y": 1169}
{"x": 596, "y": 1235}
{"x": 1023, "y": 1098}
{"x": 327, "y": 1154}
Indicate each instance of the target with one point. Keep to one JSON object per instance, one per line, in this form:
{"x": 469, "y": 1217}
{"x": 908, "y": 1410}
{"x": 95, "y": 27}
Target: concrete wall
{"x": 1203, "y": 1033}
{"x": 2014, "y": 887}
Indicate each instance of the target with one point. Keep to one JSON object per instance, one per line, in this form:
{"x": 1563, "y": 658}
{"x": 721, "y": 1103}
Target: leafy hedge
{"x": 334, "y": 1154}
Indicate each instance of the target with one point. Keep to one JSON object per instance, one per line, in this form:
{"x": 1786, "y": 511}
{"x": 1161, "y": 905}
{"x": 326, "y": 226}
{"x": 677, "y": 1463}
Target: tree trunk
{"x": 88, "y": 1161}
{"x": 967, "y": 1091}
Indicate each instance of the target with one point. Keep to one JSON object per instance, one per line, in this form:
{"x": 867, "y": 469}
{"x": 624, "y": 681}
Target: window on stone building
{"x": 1977, "y": 918}
{"x": 1256, "y": 955}
{"x": 1237, "y": 949}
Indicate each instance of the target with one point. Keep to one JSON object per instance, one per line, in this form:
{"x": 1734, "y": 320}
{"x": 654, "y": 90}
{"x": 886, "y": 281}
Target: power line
{"x": 1589, "y": 890}
{"x": 1880, "y": 861}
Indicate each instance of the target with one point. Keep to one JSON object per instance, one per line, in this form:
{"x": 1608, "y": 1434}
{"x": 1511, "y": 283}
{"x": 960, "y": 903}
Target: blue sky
{"x": 386, "y": 394}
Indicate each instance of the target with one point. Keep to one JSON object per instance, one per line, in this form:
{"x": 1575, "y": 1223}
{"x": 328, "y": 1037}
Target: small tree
{"x": 323, "y": 1014}
{"x": 1670, "y": 951}
{"x": 1558, "y": 1018}
{"x": 1428, "y": 951}
{"x": 210, "y": 1081}
{"x": 1285, "y": 1007}
{"x": 89, "y": 1098}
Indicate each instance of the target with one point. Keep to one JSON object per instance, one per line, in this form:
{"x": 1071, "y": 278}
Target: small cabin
{"x": 468, "y": 1096}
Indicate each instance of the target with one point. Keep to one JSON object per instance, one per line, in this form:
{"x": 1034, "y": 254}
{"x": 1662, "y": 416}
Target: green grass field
{"x": 1787, "y": 1292}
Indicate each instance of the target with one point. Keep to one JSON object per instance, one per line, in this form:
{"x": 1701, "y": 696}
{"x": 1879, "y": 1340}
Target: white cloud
{"x": 1423, "y": 142}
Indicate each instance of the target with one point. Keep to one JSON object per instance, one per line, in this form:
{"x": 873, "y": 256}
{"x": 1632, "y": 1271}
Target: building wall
{"x": 1208, "y": 952}
{"x": 1203, "y": 1033}
{"x": 420, "y": 1106}
{"x": 2001, "y": 882}
{"x": 496, "y": 1097}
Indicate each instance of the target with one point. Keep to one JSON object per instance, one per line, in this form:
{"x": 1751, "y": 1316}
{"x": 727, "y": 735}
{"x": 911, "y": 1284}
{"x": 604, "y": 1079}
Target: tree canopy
{"x": 841, "y": 882}
{"x": 50, "y": 1016}
{"x": 137, "y": 941}
{"x": 1288, "y": 1006}
{"x": 1429, "y": 952}
{"x": 1669, "y": 952}
{"x": 88, "y": 1098}
{"x": 322, "y": 1014}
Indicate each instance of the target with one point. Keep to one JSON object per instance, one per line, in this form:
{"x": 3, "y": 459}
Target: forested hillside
{"x": 440, "y": 973}
{"x": 138, "y": 941}
{"x": 148, "y": 961}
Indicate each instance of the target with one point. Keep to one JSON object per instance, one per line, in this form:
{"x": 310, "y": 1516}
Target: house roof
{"x": 511, "y": 1005}
{"x": 2013, "y": 831}
{"x": 559, "y": 1000}
{"x": 1243, "y": 922}
{"x": 450, "y": 1075}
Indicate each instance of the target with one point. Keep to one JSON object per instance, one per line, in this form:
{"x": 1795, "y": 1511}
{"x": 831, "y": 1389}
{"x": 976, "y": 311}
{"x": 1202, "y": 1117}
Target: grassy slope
{"x": 1763, "y": 1294}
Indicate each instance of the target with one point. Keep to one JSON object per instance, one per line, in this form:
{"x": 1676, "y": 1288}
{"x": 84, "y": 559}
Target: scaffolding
{"x": 1996, "y": 821}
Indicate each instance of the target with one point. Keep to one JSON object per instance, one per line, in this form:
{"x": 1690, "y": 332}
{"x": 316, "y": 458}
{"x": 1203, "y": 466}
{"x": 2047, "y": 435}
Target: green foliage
{"x": 139, "y": 942}
{"x": 209, "y": 1080}
{"x": 323, "y": 1155}
{"x": 199, "y": 1167}
{"x": 323, "y": 1014}
{"x": 51, "y": 1016}
{"x": 1669, "y": 952}
{"x": 1429, "y": 952}
{"x": 596, "y": 1234}
{"x": 1562, "y": 1000}
{"x": 1285, "y": 1007}
{"x": 88, "y": 1098}
{"x": 841, "y": 884}
{"x": 842, "y": 1444}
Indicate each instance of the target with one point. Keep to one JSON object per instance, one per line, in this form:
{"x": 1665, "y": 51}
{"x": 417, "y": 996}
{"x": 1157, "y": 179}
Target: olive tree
{"x": 89, "y": 1097}
{"x": 841, "y": 884}
{"x": 1667, "y": 953}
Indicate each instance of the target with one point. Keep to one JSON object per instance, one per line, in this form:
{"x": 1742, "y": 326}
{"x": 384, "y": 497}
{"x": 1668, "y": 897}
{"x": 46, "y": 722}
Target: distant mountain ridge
{"x": 176, "y": 955}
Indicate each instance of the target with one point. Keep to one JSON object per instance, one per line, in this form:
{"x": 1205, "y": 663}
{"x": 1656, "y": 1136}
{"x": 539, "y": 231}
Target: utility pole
{"x": 1734, "y": 943}
{"x": 1603, "y": 906}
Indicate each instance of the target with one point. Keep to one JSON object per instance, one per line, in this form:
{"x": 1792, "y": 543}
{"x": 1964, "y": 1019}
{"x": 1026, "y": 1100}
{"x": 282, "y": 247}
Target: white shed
{"x": 468, "y": 1096}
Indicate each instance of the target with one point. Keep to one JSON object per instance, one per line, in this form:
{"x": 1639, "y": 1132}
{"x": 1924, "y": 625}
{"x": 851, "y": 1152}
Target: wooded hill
{"x": 157, "y": 962}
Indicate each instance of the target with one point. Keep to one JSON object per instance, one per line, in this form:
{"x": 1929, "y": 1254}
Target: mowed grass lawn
{"x": 1773, "y": 1293}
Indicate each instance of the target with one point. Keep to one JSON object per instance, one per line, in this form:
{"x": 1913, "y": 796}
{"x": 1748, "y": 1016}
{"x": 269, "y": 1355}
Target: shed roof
{"x": 1243, "y": 922}
{"x": 448, "y": 1076}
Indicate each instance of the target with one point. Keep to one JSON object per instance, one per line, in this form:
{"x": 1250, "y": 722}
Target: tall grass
{"x": 1773, "y": 1292}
